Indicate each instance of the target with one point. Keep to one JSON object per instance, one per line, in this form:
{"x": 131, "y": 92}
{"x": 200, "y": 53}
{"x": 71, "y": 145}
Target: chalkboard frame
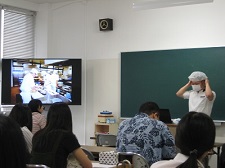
{"x": 157, "y": 75}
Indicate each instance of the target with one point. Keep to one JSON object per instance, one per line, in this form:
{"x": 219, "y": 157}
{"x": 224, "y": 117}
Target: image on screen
{"x": 49, "y": 80}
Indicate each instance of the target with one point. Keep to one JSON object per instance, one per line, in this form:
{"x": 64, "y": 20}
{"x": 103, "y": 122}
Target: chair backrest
{"x": 88, "y": 153}
{"x": 137, "y": 160}
{"x": 222, "y": 157}
{"x": 106, "y": 140}
{"x": 36, "y": 166}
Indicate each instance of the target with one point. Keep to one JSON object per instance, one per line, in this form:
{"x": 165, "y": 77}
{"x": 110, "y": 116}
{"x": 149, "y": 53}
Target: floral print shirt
{"x": 149, "y": 137}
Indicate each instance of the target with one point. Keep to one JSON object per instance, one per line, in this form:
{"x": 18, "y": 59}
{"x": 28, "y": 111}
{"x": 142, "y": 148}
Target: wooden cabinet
{"x": 106, "y": 128}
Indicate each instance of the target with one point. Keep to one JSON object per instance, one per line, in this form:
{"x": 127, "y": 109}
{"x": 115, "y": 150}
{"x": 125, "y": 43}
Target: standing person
{"x": 13, "y": 149}
{"x": 195, "y": 136}
{"x": 54, "y": 80}
{"x": 145, "y": 135}
{"x": 28, "y": 85}
{"x": 53, "y": 144}
{"x": 201, "y": 97}
{"x": 22, "y": 115}
{"x": 39, "y": 120}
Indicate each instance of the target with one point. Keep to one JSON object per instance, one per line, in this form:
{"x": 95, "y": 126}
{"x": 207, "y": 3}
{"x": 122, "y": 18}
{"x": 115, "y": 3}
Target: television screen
{"x": 49, "y": 80}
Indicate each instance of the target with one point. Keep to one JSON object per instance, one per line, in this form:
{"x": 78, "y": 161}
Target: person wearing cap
{"x": 201, "y": 97}
{"x": 28, "y": 85}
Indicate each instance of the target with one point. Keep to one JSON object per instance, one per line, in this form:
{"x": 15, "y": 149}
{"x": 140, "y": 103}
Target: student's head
{"x": 22, "y": 115}
{"x": 59, "y": 117}
{"x": 197, "y": 79}
{"x": 36, "y": 105}
{"x": 13, "y": 150}
{"x": 195, "y": 136}
{"x": 150, "y": 108}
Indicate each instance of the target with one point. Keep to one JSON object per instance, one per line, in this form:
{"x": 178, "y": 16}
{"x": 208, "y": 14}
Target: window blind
{"x": 18, "y": 33}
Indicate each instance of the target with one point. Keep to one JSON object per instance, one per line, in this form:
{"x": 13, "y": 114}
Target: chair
{"x": 221, "y": 160}
{"x": 88, "y": 153}
{"x": 106, "y": 140}
{"x": 134, "y": 159}
{"x": 36, "y": 166}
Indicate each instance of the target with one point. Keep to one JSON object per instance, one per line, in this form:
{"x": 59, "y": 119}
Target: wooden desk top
{"x": 98, "y": 149}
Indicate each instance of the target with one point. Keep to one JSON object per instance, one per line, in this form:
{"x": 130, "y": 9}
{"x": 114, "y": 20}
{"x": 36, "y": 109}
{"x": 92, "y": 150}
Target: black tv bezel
{"x": 76, "y": 79}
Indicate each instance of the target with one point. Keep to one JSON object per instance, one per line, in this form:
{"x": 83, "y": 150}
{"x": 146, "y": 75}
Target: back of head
{"x": 22, "y": 115}
{"x": 34, "y": 104}
{"x": 13, "y": 151}
{"x": 59, "y": 117}
{"x": 149, "y": 108}
{"x": 195, "y": 135}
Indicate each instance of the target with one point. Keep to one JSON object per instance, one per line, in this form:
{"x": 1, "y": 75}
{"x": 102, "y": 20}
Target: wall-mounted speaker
{"x": 105, "y": 24}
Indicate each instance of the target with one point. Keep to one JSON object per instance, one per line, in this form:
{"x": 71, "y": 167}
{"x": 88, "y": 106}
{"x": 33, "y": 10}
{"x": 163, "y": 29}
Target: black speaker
{"x": 106, "y": 24}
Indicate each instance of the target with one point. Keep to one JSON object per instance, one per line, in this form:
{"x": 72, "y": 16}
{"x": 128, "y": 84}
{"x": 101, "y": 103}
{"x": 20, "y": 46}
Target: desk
{"x": 172, "y": 128}
{"x": 97, "y": 149}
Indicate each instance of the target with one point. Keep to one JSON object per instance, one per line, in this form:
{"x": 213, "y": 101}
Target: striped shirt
{"x": 39, "y": 122}
{"x": 28, "y": 137}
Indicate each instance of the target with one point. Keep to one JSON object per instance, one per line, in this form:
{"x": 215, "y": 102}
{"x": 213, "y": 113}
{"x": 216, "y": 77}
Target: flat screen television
{"x": 50, "y": 80}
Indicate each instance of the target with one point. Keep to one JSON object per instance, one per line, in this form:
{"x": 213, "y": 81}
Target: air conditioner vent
{"x": 153, "y": 4}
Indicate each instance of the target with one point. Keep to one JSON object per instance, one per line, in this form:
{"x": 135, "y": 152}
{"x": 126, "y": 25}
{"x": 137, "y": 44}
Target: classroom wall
{"x": 71, "y": 30}
{"x": 75, "y": 32}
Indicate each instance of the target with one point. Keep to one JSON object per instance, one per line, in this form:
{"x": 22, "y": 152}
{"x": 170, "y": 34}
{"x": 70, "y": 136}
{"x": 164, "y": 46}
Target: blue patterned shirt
{"x": 149, "y": 137}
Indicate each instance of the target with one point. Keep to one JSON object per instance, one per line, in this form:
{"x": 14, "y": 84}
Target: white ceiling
{"x": 47, "y": 1}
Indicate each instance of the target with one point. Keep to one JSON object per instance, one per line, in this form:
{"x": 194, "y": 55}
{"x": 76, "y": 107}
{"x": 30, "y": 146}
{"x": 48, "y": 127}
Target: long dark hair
{"x": 22, "y": 115}
{"x": 13, "y": 149}
{"x": 59, "y": 119}
{"x": 195, "y": 135}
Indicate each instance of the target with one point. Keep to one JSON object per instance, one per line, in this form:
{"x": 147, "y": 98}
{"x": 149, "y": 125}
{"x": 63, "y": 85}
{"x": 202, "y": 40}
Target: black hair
{"x": 13, "y": 149}
{"x": 149, "y": 108}
{"x": 22, "y": 115}
{"x": 34, "y": 104}
{"x": 195, "y": 135}
{"x": 59, "y": 119}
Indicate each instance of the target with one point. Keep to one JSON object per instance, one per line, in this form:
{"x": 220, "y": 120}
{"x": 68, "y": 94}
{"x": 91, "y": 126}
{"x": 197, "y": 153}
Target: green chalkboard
{"x": 157, "y": 76}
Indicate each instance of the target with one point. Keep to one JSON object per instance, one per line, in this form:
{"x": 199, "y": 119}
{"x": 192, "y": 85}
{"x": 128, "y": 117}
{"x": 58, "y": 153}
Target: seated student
{"x": 145, "y": 135}
{"x": 53, "y": 144}
{"x": 195, "y": 136}
{"x": 22, "y": 115}
{"x": 39, "y": 120}
{"x": 13, "y": 149}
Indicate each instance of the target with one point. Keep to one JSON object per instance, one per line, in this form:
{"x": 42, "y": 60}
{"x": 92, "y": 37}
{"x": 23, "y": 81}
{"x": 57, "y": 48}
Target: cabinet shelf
{"x": 104, "y": 128}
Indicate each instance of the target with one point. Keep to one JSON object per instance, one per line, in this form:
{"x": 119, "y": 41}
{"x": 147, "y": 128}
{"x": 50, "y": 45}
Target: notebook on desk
{"x": 164, "y": 116}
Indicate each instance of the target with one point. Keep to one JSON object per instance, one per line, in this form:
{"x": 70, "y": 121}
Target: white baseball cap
{"x": 197, "y": 76}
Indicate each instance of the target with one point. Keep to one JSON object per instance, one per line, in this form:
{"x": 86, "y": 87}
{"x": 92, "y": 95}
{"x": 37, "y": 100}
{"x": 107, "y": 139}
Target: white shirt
{"x": 178, "y": 160}
{"x": 199, "y": 102}
{"x": 28, "y": 137}
{"x": 26, "y": 87}
{"x": 27, "y": 83}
